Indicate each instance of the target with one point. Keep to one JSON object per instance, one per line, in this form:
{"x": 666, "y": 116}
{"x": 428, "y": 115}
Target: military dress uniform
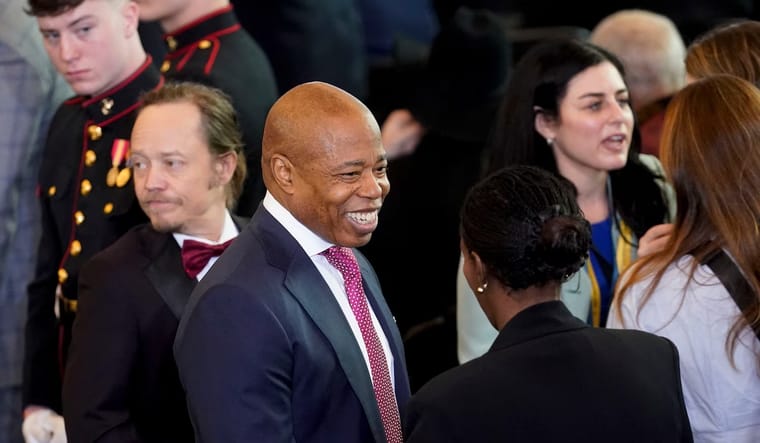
{"x": 216, "y": 51}
{"x": 87, "y": 201}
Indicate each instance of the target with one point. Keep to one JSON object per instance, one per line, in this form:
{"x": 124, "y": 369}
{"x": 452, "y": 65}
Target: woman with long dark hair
{"x": 567, "y": 110}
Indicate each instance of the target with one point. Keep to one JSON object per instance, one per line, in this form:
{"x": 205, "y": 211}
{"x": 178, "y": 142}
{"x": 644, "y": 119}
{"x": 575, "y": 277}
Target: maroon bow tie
{"x": 195, "y": 255}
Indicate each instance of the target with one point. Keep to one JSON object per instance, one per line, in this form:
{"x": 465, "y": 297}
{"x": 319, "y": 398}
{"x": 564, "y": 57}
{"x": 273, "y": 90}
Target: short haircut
{"x": 651, "y": 49}
{"x": 43, "y": 8}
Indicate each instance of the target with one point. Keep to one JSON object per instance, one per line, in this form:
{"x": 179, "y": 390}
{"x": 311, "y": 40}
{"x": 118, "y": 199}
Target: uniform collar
{"x": 122, "y": 98}
{"x": 204, "y": 27}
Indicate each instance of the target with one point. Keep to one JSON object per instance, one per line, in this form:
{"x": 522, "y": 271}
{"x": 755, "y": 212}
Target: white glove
{"x": 43, "y": 425}
{"x": 59, "y": 430}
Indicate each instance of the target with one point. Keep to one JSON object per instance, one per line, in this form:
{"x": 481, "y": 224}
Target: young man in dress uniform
{"x": 207, "y": 45}
{"x": 86, "y": 192}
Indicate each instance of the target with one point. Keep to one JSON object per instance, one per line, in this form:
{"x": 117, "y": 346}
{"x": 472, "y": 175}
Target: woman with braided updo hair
{"x": 549, "y": 376}
{"x": 522, "y": 234}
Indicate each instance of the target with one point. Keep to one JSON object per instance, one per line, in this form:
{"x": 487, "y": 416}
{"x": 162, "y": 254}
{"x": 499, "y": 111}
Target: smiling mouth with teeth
{"x": 363, "y": 217}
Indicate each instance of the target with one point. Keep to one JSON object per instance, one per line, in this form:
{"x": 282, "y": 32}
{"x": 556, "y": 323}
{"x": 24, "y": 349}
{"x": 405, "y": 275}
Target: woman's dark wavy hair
{"x": 540, "y": 79}
{"x": 526, "y": 226}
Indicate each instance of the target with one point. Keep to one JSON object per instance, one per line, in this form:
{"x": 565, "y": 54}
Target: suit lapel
{"x": 164, "y": 268}
{"x": 306, "y": 284}
{"x": 165, "y": 271}
{"x": 240, "y": 222}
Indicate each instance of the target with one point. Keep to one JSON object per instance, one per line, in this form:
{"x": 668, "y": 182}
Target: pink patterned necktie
{"x": 343, "y": 259}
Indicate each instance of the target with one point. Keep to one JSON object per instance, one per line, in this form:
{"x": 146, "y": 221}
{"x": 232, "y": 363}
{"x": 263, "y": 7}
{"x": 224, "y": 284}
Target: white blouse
{"x": 723, "y": 402}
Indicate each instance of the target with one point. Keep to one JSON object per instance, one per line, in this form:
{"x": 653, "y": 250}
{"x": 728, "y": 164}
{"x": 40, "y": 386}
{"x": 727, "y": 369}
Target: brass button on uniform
{"x": 204, "y": 44}
{"x": 108, "y": 208}
{"x": 51, "y": 191}
{"x": 166, "y": 65}
{"x": 76, "y": 248}
{"x": 62, "y": 275}
{"x": 79, "y": 217}
{"x": 90, "y": 157}
{"x": 95, "y": 132}
{"x": 171, "y": 42}
{"x": 86, "y": 187}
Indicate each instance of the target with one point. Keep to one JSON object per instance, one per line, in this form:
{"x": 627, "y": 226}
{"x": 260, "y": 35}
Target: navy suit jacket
{"x": 265, "y": 353}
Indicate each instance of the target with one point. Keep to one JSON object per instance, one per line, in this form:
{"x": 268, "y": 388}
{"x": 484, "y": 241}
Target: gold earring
{"x": 482, "y": 288}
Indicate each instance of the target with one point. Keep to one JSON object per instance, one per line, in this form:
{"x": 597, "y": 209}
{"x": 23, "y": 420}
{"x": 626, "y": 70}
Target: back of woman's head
{"x": 540, "y": 80}
{"x": 711, "y": 152}
{"x": 526, "y": 226}
{"x": 732, "y": 48}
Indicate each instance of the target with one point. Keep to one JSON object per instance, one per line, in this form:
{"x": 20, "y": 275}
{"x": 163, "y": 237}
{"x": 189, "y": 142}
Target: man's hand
{"x": 43, "y": 425}
{"x": 655, "y": 239}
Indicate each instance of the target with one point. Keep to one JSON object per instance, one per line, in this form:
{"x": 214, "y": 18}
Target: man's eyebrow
{"x": 68, "y": 25}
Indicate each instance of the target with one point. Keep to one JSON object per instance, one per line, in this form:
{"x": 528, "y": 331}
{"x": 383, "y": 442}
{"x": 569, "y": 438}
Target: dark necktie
{"x": 343, "y": 259}
{"x": 196, "y": 254}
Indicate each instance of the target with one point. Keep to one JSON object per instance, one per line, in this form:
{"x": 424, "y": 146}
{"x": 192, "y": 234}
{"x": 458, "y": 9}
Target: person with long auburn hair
{"x": 711, "y": 153}
{"x": 730, "y": 48}
{"x": 715, "y": 52}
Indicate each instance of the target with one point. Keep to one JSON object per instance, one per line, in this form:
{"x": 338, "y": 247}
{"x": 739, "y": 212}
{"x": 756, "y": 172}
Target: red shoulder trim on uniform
{"x": 200, "y": 19}
{"x": 189, "y": 53}
{"x": 74, "y": 100}
{"x": 212, "y": 57}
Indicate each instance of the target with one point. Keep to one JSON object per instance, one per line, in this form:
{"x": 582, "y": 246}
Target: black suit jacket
{"x": 266, "y": 354}
{"x": 121, "y": 382}
{"x": 551, "y": 378}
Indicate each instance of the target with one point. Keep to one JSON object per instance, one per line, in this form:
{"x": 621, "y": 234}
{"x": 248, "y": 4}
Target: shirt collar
{"x": 229, "y": 231}
{"x": 311, "y": 243}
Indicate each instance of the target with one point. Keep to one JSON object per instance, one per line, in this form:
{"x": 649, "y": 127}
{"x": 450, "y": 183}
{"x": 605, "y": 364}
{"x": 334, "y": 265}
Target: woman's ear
{"x": 544, "y": 124}
{"x": 480, "y": 268}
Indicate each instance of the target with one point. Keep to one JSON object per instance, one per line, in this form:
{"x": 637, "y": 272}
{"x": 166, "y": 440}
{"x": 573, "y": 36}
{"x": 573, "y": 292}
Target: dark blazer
{"x": 265, "y": 353}
{"x": 548, "y": 378}
{"x": 81, "y": 215}
{"x": 217, "y": 52}
{"x": 121, "y": 382}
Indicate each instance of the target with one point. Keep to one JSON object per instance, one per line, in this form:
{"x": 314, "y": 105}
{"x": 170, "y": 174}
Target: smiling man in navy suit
{"x": 270, "y": 348}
